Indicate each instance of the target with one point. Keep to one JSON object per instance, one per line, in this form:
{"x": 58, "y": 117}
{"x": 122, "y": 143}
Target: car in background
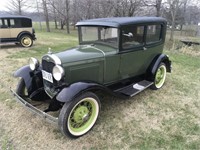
{"x": 17, "y": 29}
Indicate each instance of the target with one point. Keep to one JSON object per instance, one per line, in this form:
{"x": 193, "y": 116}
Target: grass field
{"x": 164, "y": 119}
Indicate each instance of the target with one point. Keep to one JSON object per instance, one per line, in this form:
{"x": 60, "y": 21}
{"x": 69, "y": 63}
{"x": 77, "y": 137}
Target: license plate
{"x": 47, "y": 76}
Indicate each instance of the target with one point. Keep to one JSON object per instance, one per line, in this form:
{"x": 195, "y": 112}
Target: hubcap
{"x": 26, "y": 41}
{"x": 160, "y": 76}
{"x": 83, "y": 116}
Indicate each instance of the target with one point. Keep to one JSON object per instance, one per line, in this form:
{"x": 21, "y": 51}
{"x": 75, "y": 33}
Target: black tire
{"x": 26, "y": 40}
{"x": 21, "y": 88}
{"x": 71, "y": 115}
{"x": 159, "y": 81}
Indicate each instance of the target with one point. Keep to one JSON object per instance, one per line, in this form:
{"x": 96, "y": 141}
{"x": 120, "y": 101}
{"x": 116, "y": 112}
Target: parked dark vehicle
{"x": 120, "y": 56}
{"x": 17, "y": 29}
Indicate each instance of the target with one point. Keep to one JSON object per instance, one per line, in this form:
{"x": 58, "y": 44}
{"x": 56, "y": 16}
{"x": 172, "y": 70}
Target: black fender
{"x": 69, "y": 93}
{"x": 25, "y": 33}
{"x": 156, "y": 62}
{"x": 24, "y": 72}
{"x": 33, "y": 79}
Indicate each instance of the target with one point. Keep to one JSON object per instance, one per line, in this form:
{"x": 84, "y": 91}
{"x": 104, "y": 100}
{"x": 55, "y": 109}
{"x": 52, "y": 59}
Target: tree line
{"x": 65, "y": 13}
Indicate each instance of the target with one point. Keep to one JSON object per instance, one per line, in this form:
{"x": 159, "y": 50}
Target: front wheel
{"x": 160, "y": 77}
{"x": 78, "y": 116}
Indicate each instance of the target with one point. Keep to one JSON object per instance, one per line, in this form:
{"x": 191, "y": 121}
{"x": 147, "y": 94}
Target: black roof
{"x": 12, "y": 16}
{"x": 120, "y": 21}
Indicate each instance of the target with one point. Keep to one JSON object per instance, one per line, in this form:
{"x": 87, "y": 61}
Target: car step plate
{"x": 135, "y": 88}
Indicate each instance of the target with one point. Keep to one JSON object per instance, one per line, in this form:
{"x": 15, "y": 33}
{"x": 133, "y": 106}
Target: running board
{"x": 134, "y": 88}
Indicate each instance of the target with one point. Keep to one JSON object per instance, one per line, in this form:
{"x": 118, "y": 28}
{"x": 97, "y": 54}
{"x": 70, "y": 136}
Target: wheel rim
{"x": 160, "y": 76}
{"x": 26, "y": 41}
{"x": 83, "y": 116}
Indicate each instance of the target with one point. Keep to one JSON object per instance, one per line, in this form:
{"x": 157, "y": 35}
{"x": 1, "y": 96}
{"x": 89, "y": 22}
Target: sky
{"x": 3, "y": 5}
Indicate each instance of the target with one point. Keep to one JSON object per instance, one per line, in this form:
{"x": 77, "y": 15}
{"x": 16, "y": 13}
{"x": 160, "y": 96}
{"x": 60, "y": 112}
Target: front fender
{"x": 69, "y": 93}
{"x": 25, "y": 73}
{"x": 33, "y": 79}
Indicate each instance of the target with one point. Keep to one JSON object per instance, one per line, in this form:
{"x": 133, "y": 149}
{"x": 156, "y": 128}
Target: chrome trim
{"x": 47, "y": 117}
{"x": 55, "y": 59}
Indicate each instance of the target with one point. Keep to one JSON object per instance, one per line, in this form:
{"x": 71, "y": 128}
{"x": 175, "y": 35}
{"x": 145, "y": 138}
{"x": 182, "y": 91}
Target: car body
{"x": 120, "y": 56}
{"x": 17, "y": 29}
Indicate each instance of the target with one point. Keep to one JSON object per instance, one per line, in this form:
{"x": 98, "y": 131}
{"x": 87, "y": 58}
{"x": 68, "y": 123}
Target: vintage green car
{"x": 120, "y": 56}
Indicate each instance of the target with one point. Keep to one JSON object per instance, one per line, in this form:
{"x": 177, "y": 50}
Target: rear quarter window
{"x": 26, "y": 22}
{"x": 153, "y": 33}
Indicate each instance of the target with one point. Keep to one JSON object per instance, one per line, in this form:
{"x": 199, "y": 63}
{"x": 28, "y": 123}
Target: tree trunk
{"x": 172, "y": 30}
{"x": 61, "y": 25}
{"x": 39, "y": 15}
{"x": 20, "y": 9}
{"x": 158, "y": 7}
{"x": 67, "y": 15}
{"x": 46, "y": 15}
{"x": 55, "y": 17}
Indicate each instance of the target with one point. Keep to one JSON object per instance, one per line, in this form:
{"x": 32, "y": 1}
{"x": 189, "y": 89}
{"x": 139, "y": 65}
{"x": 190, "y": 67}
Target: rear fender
{"x": 155, "y": 64}
{"x": 25, "y": 33}
{"x": 69, "y": 93}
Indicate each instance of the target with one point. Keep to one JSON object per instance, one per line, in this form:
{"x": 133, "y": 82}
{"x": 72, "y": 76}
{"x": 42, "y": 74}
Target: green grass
{"x": 164, "y": 119}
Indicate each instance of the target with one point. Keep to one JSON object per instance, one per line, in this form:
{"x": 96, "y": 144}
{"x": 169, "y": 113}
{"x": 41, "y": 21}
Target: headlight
{"x": 58, "y": 72}
{"x": 33, "y": 63}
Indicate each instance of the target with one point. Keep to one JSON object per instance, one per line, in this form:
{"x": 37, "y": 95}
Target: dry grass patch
{"x": 163, "y": 119}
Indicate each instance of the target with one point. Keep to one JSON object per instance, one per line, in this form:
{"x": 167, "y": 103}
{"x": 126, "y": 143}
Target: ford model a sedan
{"x": 121, "y": 56}
{"x": 17, "y": 29}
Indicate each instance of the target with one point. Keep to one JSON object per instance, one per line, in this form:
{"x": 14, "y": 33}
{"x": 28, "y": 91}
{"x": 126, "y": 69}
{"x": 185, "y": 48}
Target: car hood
{"x": 80, "y": 53}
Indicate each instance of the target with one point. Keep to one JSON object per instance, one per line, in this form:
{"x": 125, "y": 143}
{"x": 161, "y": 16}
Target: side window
{"x": 153, "y": 33}
{"x": 6, "y": 23}
{"x": 1, "y": 23}
{"x": 12, "y": 23}
{"x": 15, "y": 23}
{"x": 132, "y": 36}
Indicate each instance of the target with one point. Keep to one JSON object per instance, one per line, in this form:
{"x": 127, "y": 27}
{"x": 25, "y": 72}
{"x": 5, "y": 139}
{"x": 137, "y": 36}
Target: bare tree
{"x": 39, "y": 15}
{"x": 67, "y": 7}
{"x": 124, "y": 8}
{"x": 17, "y": 6}
{"x": 46, "y": 14}
{"x": 156, "y": 4}
{"x": 173, "y": 6}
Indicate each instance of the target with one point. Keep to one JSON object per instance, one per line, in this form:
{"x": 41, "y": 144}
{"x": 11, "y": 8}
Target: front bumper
{"x": 47, "y": 117}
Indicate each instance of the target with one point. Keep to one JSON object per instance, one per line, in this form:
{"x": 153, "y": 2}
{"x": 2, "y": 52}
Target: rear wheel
{"x": 26, "y": 41}
{"x": 160, "y": 77}
{"x": 78, "y": 116}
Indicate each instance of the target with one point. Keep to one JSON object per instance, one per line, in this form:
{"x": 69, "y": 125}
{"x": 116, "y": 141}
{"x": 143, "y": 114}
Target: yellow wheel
{"x": 26, "y": 41}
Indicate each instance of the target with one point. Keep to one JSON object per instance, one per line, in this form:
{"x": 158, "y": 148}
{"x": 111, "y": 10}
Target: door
{"x": 133, "y": 55}
{"x": 4, "y": 29}
{"x": 15, "y": 27}
{"x": 140, "y": 45}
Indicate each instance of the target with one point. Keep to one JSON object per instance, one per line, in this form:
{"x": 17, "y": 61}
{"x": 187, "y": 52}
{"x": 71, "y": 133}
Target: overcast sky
{"x": 3, "y": 5}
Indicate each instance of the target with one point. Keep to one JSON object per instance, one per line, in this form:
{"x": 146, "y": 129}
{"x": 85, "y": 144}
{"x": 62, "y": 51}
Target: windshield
{"x": 99, "y": 35}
